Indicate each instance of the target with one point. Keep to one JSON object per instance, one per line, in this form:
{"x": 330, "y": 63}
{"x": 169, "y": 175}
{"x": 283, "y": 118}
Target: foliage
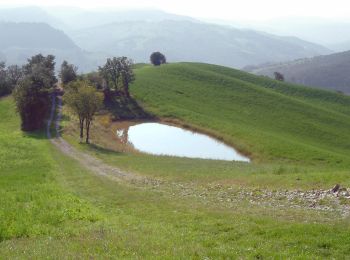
{"x": 9, "y": 78}
{"x": 32, "y": 95}
{"x": 126, "y": 74}
{"x": 94, "y": 79}
{"x": 68, "y": 73}
{"x": 4, "y": 86}
{"x": 118, "y": 71}
{"x": 278, "y": 76}
{"x": 157, "y": 58}
{"x": 85, "y": 101}
{"x": 42, "y": 69}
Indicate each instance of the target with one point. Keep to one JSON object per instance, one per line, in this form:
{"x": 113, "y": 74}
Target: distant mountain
{"x": 29, "y": 14}
{"x": 193, "y": 41}
{"x": 80, "y": 19}
{"x": 19, "y": 41}
{"x": 327, "y": 32}
{"x": 328, "y": 72}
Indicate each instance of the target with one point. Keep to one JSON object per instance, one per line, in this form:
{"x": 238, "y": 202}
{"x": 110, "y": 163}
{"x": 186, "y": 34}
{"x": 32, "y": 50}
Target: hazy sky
{"x": 221, "y": 9}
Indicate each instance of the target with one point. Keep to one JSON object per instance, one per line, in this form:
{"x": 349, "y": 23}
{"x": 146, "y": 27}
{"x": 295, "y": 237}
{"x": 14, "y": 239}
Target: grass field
{"x": 52, "y": 207}
{"x": 298, "y": 137}
{"x": 261, "y": 117}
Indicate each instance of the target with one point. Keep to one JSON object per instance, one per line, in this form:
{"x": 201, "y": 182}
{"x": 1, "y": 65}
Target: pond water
{"x": 162, "y": 139}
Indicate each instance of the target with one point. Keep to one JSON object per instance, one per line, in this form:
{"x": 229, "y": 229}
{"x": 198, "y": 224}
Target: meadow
{"x": 53, "y": 207}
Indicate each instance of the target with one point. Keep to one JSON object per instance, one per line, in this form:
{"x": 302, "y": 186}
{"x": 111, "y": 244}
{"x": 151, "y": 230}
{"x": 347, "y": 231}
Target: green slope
{"x": 267, "y": 119}
{"x": 52, "y": 208}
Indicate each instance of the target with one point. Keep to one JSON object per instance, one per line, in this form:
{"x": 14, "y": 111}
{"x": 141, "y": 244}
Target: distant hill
{"x": 20, "y": 41}
{"x": 328, "y": 71}
{"x": 34, "y": 35}
{"x": 31, "y": 14}
{"x": 193, "y": 41}
{"x": 328, "y": 32}
{"x": 80, "y": 19}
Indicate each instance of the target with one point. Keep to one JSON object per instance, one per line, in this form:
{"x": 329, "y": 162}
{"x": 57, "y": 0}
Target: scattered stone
{"x": 336, "y": 188}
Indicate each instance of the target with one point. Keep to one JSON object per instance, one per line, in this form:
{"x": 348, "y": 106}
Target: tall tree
{"x": 118, "y": 71}
{"x": 43, "y": 68}
{"x": 68, "y": 73}
{"x": 111, "y": 72}
{"x": 85, "y": 101}
{"x": 32, "y": 95}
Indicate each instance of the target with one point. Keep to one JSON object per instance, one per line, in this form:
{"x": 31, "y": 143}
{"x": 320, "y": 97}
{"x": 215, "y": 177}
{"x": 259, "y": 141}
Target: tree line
{"x": 34, "y": 83}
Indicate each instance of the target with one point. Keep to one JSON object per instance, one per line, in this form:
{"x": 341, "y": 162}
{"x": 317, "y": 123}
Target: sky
{"x": 216, "y": 9}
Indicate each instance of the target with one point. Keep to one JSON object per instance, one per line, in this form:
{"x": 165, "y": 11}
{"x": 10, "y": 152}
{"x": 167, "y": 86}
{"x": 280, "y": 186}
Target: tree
{"x": 32, "y": 102}
{"x": 95, "y": 79}
{"x": 118, "y": 71}
{"x": 4, "y": 86}
{"x": 127, "y": 74}
{"x": 9, "y": 78}
{"x": 279, "y": 76}
{"x": 157, "y": 58}
{"x": 111, "y": 72}
{"x": 32, "y": 95}
{"x": 85, "y": 101}
{"x": 14, "y": 74}
{"x": 68, "y": 73}
{"x": 42, "y": 67}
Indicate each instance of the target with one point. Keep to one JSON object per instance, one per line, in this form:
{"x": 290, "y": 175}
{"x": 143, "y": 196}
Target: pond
{"x": 162, "y": 139}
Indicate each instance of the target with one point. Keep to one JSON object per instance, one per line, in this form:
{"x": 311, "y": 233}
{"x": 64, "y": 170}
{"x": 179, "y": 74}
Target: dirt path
{"x": 211, "y": 193}
{"x": 91, "y": 163}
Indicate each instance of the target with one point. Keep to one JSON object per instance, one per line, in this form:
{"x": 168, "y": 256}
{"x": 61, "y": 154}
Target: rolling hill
{"x": 193, "y": 41}
{"x": 328, "y": 71}
{"x": 53, "y": 206}
{"x": 262, "y": 117}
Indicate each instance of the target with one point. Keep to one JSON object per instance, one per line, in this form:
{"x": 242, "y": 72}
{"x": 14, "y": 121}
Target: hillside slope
{"x": 193, "y": 41}
{"x": 328, "y": 71}
{"x": 261, "y": 117}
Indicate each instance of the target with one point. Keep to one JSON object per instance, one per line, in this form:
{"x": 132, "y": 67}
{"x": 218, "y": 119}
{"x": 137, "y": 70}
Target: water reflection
{"x": 161, "y": 139}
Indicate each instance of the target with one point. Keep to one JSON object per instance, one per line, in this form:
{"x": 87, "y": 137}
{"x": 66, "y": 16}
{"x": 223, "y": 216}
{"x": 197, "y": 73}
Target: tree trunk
{"x": 81, "y": 123}
{"x": 126, "y": 89}
{"x": 87, "y": 131}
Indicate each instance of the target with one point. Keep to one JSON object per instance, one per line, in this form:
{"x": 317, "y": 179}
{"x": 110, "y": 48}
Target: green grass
{"x": 31, "y": 202}
{"x": 298, "y": 137}
{"x": 269, "y": 120}
{"x": 51, "y": 207}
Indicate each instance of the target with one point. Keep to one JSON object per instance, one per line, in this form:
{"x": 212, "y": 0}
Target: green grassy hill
{"x": 52, "y": 207}
{"x": 266, "y": 119}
